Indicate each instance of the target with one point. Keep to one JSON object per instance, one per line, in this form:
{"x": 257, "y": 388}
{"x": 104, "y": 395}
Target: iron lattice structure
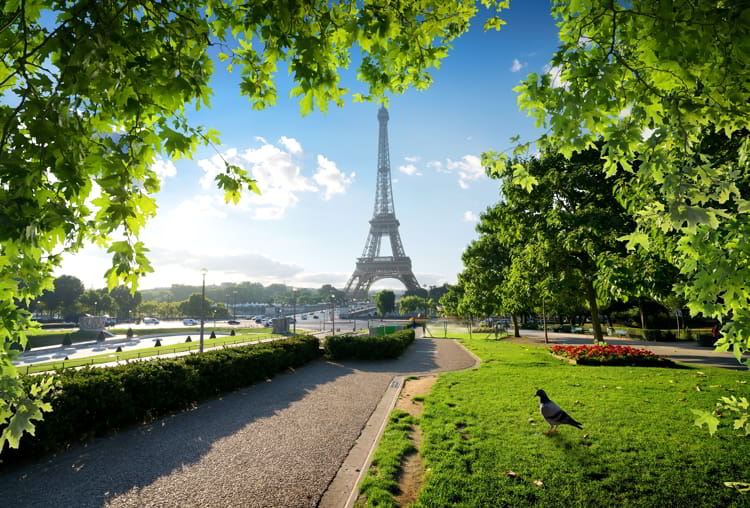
{"x": 372, "y": 267}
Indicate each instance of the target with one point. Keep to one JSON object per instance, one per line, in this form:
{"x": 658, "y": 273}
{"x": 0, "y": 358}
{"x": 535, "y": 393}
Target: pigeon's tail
{"x": 566, "y": 419}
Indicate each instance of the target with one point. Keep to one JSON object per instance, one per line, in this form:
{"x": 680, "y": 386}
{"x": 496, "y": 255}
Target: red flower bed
{"x": 611, "y": 355}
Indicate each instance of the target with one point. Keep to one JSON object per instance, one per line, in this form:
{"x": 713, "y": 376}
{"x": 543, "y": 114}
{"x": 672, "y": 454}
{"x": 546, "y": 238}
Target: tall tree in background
{"x": 94, "y": 92}
{"x": 126, "y": 301}
{"x": 652, "y": 78}
{"x": 385, "y": 302}
{"x": 567, "y": 223}
{"x": 67, "y": 291}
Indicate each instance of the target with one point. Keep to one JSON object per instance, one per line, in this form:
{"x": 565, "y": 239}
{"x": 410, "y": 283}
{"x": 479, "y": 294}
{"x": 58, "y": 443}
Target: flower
{"x": 609, "y": 354}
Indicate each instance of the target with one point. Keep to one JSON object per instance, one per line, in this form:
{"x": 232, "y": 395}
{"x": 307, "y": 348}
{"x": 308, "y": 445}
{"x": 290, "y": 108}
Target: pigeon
{"x": 553, "y": 414}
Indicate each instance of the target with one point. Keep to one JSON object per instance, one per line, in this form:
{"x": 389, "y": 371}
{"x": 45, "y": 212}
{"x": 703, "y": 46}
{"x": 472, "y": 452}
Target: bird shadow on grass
{"x": 575, "y": 448}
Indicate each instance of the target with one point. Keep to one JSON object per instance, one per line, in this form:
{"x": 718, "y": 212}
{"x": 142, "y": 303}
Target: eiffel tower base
{"x": 370, "y": 270}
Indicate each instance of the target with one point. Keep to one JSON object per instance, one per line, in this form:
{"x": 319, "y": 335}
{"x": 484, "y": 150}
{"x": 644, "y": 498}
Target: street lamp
{"x": 294, "y": 312}
{"x": 333, "y": 314}
{"x": 354, "y": 316}
{"x": 203, "y": 304}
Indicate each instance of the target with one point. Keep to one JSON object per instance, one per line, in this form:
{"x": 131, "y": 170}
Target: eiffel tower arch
{"x": 371, "y": 266}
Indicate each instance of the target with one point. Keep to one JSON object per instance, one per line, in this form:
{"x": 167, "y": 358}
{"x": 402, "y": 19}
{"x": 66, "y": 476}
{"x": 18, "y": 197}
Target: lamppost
{"x": 294, "y": 312}
{"x": 203, "y": 304}
{"x": 333, "y": 314}
{"x": 354, "y": 316}
{"x": 234, "y": 306}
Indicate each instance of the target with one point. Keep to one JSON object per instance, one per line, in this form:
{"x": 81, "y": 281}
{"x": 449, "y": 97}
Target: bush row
{"x": 93, "y": 401}
{"x": 368, "y": 347}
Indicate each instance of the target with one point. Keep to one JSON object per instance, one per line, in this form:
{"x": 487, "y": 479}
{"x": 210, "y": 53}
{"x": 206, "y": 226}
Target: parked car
{"x": 315, "y": 316}
{"x": 268, "y": 324}
{"x": 233, "y": 322}
{"x": 189, "y": 322}
{"x": 150, "y": 321}
{"x": 304, "y": 317}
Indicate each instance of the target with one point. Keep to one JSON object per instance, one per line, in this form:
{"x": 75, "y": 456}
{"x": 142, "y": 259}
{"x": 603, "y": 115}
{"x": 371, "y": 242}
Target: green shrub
{"x": 130, "y": 333}
{"x": 368, "y": 347}
{"x": 94, "y": 401}
{"x": 66, "y": 340}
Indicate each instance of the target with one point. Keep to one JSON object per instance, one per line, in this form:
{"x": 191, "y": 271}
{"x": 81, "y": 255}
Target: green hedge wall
{"x": 94, "y": 401}
{"x": 368, "y": 347}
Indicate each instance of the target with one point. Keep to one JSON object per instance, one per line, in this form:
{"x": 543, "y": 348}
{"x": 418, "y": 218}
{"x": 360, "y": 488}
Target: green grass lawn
{"x": 639, "y": 446}
{"x": 142, "y": 353}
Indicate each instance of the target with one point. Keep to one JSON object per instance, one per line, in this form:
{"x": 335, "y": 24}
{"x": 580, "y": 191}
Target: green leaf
{"x": 743, "y": 487}
{"x": 704, "y": 417}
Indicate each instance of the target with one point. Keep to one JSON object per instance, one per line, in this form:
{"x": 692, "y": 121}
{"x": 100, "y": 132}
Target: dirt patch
{"x": 412, "y": 469}
{"x": 415, "y": 388}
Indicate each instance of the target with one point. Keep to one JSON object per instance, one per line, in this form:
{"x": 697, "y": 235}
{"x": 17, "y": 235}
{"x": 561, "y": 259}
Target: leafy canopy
{"x": 652, "y": 78}
{"x": 93, "y": 92}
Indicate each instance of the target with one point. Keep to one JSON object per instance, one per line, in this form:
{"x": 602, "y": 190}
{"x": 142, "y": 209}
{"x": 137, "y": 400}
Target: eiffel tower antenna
{"x": 372, "y": 267}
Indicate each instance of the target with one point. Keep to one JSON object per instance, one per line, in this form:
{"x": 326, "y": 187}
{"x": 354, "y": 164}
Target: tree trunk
{"x": 516, "y": 333}
{"x": 643, "y": 316}
{"x": 544, "y": 317}
{"x": 591, "y": 296}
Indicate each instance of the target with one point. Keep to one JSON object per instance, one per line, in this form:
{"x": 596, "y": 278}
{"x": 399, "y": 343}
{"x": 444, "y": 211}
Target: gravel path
{"x": 276, "y": 444}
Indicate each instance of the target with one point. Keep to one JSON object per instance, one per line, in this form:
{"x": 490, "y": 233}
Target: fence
{"x": 447, "y": 328}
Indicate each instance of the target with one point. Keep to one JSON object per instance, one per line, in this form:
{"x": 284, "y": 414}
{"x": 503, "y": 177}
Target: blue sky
{"x": 318, "y": 172}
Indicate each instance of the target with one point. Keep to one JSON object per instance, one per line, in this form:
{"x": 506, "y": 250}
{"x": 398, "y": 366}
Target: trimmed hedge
{"x": 368, "y": 347}
{"x": 94, "y": 401}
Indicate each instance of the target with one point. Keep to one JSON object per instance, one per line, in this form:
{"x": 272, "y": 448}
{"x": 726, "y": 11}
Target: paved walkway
{"x": 273, "y": 444}
{"x": 683, "y": 351}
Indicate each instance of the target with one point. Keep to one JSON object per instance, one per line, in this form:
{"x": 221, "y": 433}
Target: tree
{"x": 67, "y": 291}
{"x": 565, "y": 225}
{"x": 659, "y": 82}
{"x": 451, "y": 299}
{"x": 126, "y": 301}
{"x": 96, "y": 301}
{"x": 412, "y": 305}
{"x": 385, "y": 301}
{"x": 94, "y": 92}
{"x": 193, "y": 305}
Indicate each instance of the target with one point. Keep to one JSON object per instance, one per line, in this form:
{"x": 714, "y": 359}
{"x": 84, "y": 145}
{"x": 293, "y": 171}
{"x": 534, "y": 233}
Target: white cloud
{"x": 555, "y": 73}
{"x": 246, "y": 264}
{"x": 410, "y": 169}
{"x": 277, "y": 173}
{"x": 292, "y": 145}
{"x": 517, "y": 65}
{"x": 437, "y": 166}
{"x": 469, "y": 168}
{"x": 412, "y": 159}
{"x": 330, "y": 177}
{"x": 163, "y": 168}
{"x": 470, "y": 216}
{"x": 199, "y": 207}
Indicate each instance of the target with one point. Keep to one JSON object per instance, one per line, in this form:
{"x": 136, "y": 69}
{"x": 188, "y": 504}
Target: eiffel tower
{"x": 371, "y": 266}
